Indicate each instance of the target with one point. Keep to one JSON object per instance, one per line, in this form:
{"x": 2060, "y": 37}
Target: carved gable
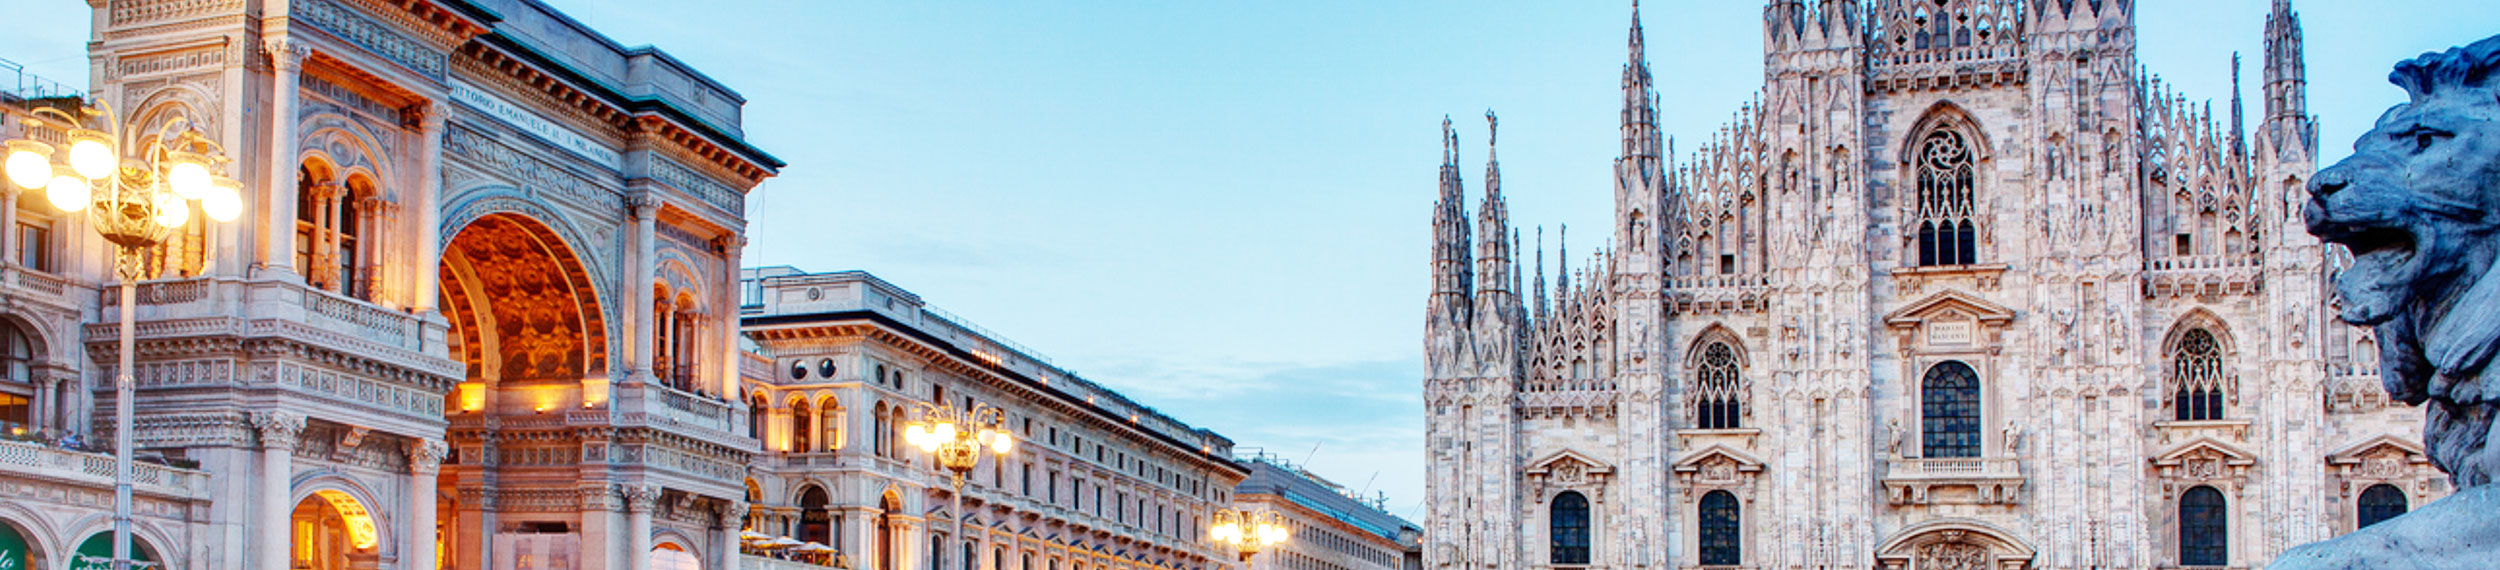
{"x": 1950, "y": 320}
{"x": 1569, "y": 470}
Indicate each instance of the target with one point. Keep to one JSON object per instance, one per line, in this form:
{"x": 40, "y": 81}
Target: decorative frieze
{"x": 533, "y": 175}
{"x": 700, "y": 186}
{"x": 356, "y": 29}
{"x": 142, "y": 12}
{"x": 212, "y": 58}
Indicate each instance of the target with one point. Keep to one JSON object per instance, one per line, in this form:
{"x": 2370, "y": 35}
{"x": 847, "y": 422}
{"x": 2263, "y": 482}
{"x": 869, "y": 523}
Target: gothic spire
{"x": 2239, "y": 133}
{"x": 1640, "y": 109}
{"x": 1452, "y": 275}
{"x": 1540, "y": 274}
{"x": 1494, "y": 259}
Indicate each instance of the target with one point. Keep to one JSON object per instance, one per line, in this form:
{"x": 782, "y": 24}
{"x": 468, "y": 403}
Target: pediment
{"x": 1568, "y": 462}
{"x": 1715, "y": 456}
{"x": 2379, "y": 446}
{"x": 1950, "y": 305}
{"x": 2205, "y": 449}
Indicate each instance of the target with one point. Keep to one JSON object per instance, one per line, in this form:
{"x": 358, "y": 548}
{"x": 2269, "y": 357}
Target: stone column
{"x": 425, "y": 463}
{"x": 429, "y": 196}
{"x": 733, "y": 518}
{"x": 642, "y": 326}
{"x": 724, "y": 338}
{"x": 286, "y": 59}
{"x": 639, "y": 500}
{"x": 277, "y": 476}
{"x": 47, "y": 398}
{"x": 8, "y": 225}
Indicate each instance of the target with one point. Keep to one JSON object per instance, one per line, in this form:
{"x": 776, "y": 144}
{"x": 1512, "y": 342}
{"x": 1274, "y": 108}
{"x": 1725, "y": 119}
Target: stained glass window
{"x": 2380, "y": 502}
{"x": 1950, "y": 398}
{"x": 2204, "y": 528}
{"x": 1721, "y": 542}
{"x": 1946, "y": 200}
{"x": 1717, "y": 402}
{"x": 1569, "y": 528}
{"x": 2196, "y": 377}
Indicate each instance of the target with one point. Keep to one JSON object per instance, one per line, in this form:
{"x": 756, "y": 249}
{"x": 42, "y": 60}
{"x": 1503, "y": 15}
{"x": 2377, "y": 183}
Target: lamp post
{"x": 957, "y": 438}
{"x": 1249, "y": 532}
{"x": 133, "y": 201}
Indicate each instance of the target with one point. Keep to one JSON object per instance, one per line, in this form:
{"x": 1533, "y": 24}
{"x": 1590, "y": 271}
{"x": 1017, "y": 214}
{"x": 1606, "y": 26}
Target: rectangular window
{"x": 34, "y": 246}
{"x": 1054, "y": 487}
{"x": 1727, "y": 264}
{"x": 2187, "y": 244}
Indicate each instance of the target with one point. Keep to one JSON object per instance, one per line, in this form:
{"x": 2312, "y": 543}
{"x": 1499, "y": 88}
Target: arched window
{"x": 1946, "y": 197}
{"x": 17, "y": 384}
{"x": 829, "y": 417}
{"x": 2196, "y": 376}
{"x": 2204, "y": 528}
{"x": 1722, "y": 544}
{"x": 759, "y": 411}
{"x": 2380, "y": 502}
{"x": 880, "y": 427}
{"x": 1717, "y": 401}
{"x": 1568, "y": 528}
{"x": 1949, "y": 399}
{"x": 800, "y": 413}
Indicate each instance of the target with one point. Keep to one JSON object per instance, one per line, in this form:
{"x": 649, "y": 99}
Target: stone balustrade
{"x": 28, "y": 460}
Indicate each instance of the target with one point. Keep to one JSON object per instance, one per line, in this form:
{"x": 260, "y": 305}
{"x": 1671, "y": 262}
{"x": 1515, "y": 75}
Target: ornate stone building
{"x": 479, "y": 310}
{"x": 841, "y": 361}
{"x": 1330, "y": 529}
{"x": 1964, "y": 287}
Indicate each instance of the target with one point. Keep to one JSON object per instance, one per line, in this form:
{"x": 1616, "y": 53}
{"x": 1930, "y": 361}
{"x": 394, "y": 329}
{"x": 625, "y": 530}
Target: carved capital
{"x": 644, "y": 206}
{"x": 733, "y": 511}
{"x": 425, "y": 456}
{"x": 641, "y": 498}
{"x": 286, "y": 54}
{"x": 278, "y": 429}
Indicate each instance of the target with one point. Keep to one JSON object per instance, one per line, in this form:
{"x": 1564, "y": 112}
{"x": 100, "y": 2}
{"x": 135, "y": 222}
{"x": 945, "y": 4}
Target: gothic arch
{"x": 1716, "y": 332}
{"x": 2200, "y": 318}
{"x": 1943, "y": 115}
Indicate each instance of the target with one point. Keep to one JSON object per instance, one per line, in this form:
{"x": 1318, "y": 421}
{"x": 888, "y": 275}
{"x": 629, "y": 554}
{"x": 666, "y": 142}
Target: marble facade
{"x": 1963, "y": 287}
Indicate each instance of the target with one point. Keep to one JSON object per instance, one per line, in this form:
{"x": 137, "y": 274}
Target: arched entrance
{"x": 1956, "y": 544}
{"x": 670, "y": 556}
{"x": 522, "y": 307}
{"x": 96, "y": 553}
{"x": 16, "y": 550}
{"x": 815, "y": 521}
{"x": 332, "y": 531}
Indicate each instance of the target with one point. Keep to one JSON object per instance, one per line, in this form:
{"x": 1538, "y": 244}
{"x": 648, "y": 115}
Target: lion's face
{"x": 2416, "y": 203}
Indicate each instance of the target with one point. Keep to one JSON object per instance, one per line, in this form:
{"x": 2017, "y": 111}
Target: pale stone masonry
{"x": 478, "y": 309}
{"x": 1330, "y": 529}
{"x": 1963, "y": 287}
{"x": 838, "y": 363}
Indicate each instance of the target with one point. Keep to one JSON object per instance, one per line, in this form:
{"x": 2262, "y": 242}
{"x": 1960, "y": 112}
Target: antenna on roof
{"x": 1306, "y": 458}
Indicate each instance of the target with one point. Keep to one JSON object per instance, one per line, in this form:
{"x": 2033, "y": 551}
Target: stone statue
{"x": 2418, "y": 204}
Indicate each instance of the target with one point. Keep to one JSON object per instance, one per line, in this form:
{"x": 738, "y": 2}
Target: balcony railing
{"x": 692, "y": 409}
{"x": 32, "y": 460}
{"x": 1955, "y": 467}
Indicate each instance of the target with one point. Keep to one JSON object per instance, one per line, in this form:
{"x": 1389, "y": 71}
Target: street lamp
{"x": 133, "y": 201}
{"x": 1249, "y": 532}
{"x": 957, "y": 438}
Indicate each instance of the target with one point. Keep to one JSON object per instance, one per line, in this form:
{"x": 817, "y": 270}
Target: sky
{"x": 1222, "y": 209}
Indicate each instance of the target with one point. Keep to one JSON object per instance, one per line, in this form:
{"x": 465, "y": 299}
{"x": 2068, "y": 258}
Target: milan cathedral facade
{"x": 1964, "y": 287}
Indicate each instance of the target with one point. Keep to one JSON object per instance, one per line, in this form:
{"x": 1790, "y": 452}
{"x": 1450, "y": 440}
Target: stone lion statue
{"x": 2418, "y": 204}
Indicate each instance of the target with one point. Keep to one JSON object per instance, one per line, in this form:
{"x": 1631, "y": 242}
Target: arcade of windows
{"x": 1717, "y": 398}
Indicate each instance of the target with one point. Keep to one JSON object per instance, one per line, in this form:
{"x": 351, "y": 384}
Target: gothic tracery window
{"x": 1568, "y": 528}
{"x": 2379, "y": 503}
{"x": 2204, "y": 528}
{"x": 2196, "y": 377}
{"x": 1717, "y": 402}
{"x": 1946, "y": 197}
{"x": 1721, "y": 541}
{"x": 1949, "y": 398}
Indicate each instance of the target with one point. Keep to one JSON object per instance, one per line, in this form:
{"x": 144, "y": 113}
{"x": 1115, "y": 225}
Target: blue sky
{"x": 1222, "y": 208}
